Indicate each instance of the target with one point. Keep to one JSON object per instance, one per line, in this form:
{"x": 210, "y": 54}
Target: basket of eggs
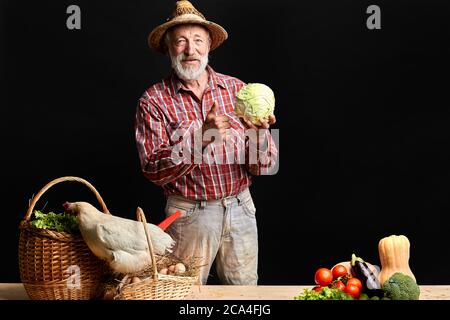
{"x": 167, "y": 278}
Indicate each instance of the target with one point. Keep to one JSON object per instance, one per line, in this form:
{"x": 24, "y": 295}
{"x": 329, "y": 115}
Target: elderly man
{"x": 218, "y": 220}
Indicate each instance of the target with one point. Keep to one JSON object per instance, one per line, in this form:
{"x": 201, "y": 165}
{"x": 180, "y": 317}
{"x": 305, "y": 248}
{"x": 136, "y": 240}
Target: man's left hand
{"x": 265, "y": 124}
{"x": 260, "y": 137}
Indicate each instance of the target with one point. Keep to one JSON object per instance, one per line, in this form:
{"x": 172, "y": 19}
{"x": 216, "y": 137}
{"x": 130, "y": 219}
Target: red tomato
{"x": 355, "y": 282}
{"x": 352, "y": 290}
{"x": 317, "y": 288}
{"x": 339, "y": 271}
{"x": 323, "y": 277}
{"x": 339, "y": 285}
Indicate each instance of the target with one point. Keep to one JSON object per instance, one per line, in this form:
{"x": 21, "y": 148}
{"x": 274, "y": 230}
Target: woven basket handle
{"x": 59, "y": 180}
{"x": 141, "y": 217}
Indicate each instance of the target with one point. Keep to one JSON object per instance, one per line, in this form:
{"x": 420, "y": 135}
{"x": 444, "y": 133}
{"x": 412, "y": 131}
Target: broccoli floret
{"x": 401, "y": 287}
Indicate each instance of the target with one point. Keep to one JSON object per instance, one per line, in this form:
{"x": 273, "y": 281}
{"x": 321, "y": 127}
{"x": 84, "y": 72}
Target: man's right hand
{"x": 218, "y": 124}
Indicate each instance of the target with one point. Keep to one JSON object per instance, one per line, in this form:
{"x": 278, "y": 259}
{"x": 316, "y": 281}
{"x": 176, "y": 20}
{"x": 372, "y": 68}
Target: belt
{"x": 240, "y": 197}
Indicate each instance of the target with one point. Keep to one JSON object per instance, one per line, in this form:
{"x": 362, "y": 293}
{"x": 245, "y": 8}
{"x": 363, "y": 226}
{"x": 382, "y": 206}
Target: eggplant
{"x": 370, "y": 282}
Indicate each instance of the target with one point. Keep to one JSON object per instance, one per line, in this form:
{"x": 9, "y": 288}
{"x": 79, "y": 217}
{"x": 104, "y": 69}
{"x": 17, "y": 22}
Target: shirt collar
{"x": 214, "y": 80}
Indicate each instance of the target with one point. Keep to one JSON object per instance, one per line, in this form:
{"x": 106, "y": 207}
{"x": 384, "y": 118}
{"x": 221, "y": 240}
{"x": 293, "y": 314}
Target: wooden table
{"x": 16, "y": 291}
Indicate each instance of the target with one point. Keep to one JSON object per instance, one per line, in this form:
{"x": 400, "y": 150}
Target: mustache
{"x": 189, "y": 72}
{"x": 183, "y": 56}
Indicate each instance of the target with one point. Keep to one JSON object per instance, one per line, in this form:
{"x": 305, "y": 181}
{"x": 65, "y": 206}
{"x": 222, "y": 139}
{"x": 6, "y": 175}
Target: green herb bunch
{"x": 324, "y": 294}
{"x": 60, "y": 222}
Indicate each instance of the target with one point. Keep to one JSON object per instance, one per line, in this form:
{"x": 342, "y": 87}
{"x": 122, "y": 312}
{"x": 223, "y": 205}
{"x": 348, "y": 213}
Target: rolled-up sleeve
{"x": 262, "y": 159}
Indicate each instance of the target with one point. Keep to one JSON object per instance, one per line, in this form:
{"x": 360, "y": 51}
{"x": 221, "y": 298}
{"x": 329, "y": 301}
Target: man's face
{"x": 188, "y": 49}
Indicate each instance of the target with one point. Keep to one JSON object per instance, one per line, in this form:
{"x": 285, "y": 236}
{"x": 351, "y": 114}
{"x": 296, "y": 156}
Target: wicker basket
{"x": 159, "y": 286}
{"x": 57, "y": 265}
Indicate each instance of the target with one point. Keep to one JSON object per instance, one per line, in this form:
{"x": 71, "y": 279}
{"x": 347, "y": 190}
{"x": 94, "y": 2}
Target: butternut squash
{"x": 394, "y": 257}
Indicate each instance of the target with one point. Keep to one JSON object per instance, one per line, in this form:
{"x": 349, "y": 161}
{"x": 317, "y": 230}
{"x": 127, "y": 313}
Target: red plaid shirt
{"x": 168, "y": 111}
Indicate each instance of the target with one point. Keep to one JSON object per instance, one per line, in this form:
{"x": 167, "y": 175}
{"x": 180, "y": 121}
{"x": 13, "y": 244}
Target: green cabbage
{"x": 255, "y": 101}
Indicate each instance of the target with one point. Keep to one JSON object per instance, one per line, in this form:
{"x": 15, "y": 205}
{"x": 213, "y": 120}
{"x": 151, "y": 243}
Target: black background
{"x": 363, "y": 118}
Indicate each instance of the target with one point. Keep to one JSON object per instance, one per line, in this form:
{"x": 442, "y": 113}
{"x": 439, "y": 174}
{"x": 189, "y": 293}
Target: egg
{"x": 180, "y": 268}
{"x": 135, "y": 280}
{"x": 163, "y": 271}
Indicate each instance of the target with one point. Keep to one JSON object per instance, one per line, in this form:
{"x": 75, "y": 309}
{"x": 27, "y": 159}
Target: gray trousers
{"x": 223, "y": 230}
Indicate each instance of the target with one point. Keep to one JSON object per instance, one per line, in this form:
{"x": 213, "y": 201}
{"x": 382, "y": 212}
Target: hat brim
{"x": 218, "y": 33}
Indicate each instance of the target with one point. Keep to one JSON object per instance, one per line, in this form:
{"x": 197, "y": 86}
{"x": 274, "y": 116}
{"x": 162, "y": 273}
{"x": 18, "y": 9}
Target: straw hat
{"x": 185, "y": 13}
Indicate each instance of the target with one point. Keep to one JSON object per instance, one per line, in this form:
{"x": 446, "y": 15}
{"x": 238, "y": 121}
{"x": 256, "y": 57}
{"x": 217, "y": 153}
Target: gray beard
{"x": 188, "y": 73}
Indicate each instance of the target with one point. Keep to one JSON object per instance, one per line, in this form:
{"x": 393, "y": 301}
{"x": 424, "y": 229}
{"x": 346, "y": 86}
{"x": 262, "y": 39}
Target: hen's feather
{"x": 121, "y": 242}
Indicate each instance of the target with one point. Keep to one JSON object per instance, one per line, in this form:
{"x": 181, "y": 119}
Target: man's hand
{"x": 219, "y": 124}
{"x": 265, "y": 124}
